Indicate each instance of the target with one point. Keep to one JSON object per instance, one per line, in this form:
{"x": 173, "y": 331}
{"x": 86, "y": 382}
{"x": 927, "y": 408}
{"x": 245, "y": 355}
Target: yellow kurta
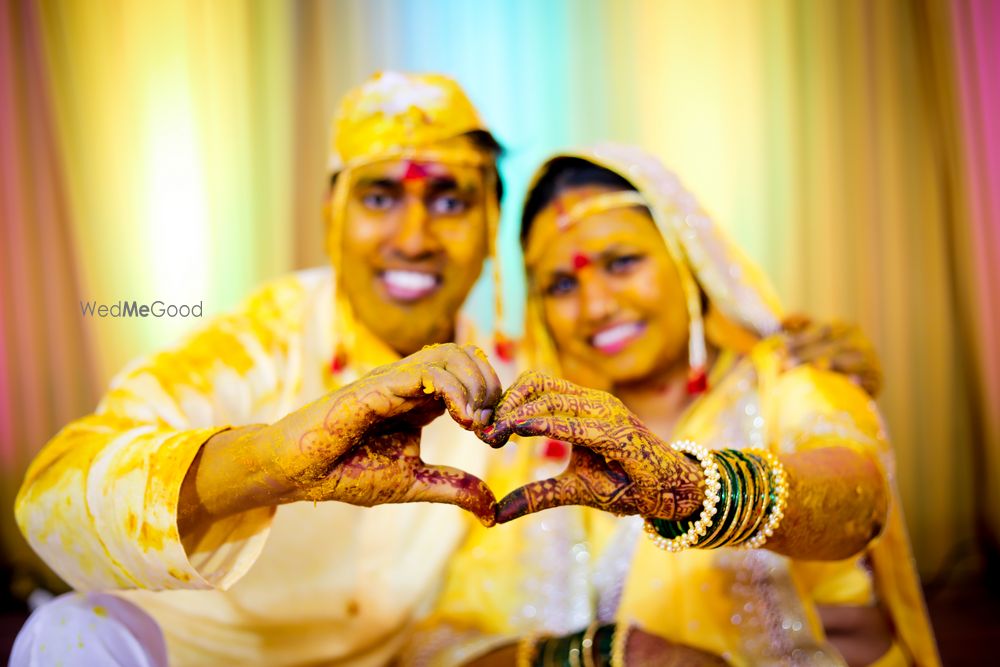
{"x": 328, "y": 582}
{"x": 558, "y": 570}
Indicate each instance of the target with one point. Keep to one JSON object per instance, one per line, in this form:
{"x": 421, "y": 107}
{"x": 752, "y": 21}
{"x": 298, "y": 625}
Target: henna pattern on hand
{"x": 361, "y": 444}
{"x": 617, "y": 464}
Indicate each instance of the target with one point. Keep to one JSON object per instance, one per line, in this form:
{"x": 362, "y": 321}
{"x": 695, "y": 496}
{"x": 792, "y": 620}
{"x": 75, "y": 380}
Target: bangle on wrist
{"x": 697, "y": 529}
{"x": 778, "y": 500}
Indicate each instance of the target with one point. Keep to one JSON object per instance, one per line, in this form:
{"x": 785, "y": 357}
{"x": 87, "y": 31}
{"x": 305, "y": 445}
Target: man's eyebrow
{"x": 438, "y": 184}
{"x": 377, "y": 182}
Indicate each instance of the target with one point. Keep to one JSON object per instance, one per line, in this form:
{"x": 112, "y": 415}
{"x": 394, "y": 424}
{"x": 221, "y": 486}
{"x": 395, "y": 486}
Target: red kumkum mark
{"x": 580, "y": 261}
{"x": 414, "y": 172}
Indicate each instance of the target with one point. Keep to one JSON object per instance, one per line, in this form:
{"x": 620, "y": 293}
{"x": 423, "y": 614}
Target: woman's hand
{"x": 616, "y": 464}
{"x": 359, "y": 444}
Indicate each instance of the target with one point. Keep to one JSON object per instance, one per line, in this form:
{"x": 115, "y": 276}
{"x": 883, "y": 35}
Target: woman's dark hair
{"x": 482, "y": 140}
{"x": 562, "y": 174}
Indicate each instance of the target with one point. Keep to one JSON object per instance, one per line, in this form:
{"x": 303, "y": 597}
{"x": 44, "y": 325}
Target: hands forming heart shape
{"x": 361, "y": 444}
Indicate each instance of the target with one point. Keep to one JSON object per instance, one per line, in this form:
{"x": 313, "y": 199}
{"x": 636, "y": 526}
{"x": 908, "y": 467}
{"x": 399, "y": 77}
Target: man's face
{"x": 415, "y": 238}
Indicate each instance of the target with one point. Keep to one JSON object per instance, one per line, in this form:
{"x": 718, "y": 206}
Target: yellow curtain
{"x": 176, "y": 150}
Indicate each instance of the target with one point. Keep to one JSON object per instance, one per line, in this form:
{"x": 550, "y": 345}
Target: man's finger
{"x": 494, "y": 389}
{"x": 444, "y": 484}
{"x": 538, "y": 496}
{"x": 438, "y": 381}
{"x": 458, "y": 362}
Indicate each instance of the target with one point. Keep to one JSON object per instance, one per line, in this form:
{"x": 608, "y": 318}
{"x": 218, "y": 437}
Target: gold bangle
{"x": 619, "y": 645}
{"x": 573, "y": 654}
{"x": 760, "y": 473}
{"x": 548, "y": 650}
{"x": 779, "y": 500}
{"x": 587, "y": 644}
{"x": 527, "y": 650}
{"x": 700, "y": 527}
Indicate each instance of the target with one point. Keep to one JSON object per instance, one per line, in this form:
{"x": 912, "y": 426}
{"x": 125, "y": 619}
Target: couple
{"x": 182, "y": 491}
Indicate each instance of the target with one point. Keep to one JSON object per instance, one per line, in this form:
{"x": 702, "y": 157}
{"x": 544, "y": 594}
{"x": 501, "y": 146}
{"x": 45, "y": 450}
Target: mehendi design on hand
{"x": 361, "y": 444}
{"x": 617, "y": 464}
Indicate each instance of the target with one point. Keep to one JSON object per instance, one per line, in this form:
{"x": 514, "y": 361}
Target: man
{"x": 191, "y": 469}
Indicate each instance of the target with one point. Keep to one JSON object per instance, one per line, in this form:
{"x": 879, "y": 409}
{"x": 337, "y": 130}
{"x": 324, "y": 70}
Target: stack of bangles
{"x": 746, "y": 492}
{"x": 597, "y": 646}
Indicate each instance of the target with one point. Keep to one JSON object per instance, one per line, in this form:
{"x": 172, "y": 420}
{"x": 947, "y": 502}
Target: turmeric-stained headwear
{"x": 706, "y": 258}
{"x": 397, "y": 116}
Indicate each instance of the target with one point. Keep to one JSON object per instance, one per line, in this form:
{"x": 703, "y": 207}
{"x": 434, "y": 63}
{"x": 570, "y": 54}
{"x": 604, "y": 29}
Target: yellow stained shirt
{"x": 328, "y": 583}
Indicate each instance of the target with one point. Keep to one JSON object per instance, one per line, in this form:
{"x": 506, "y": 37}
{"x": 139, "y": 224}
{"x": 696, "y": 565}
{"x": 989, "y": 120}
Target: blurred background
{"x": 176, "y": 150}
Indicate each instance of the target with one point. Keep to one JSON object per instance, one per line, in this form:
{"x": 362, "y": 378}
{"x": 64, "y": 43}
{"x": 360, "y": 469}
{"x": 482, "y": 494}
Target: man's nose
{"x": 413, "y": 238}
{"x": 598, "y": 301}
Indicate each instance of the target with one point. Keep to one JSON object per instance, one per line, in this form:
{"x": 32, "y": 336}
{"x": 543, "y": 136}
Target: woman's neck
{"x": 661, "y": 398}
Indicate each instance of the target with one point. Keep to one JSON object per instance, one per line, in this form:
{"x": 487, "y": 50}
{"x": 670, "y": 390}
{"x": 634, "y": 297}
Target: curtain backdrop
{"x": 176, "y": 151}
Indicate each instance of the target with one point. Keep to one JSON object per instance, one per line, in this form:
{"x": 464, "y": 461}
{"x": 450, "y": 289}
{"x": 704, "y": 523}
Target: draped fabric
{"x": 177, "y": 151}
{"x": 47, "y": 372}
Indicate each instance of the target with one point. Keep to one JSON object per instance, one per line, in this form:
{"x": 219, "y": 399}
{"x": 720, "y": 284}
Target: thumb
{"x": 538, "y": 496}
{"x": 444, "y": 484}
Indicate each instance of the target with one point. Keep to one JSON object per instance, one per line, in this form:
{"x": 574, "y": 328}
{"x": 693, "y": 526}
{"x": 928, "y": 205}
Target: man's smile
{"x": 408, "y": 285}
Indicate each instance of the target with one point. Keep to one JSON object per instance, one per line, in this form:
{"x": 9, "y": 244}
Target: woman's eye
{"x": 560, "y": 286}
{"x": 447, "y": 205}
{"x": 378, "y": 201}
{"x": 623, "y": 264}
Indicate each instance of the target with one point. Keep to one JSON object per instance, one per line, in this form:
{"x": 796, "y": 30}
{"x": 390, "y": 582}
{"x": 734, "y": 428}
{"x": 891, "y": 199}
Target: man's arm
{"x": 99, "y": 502}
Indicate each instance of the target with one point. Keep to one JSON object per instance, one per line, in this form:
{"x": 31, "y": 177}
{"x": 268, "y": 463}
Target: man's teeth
{"x": 410, "y": 280}
{"x": 616, "y": 334}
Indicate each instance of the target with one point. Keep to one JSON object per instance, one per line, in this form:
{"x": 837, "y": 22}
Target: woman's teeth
{"x": 614, "y": 339}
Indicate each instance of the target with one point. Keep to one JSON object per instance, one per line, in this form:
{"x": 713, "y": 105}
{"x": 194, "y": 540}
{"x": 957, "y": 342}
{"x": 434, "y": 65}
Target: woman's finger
{"x": 538, "y": 496}
{"x": 530, "y": 385}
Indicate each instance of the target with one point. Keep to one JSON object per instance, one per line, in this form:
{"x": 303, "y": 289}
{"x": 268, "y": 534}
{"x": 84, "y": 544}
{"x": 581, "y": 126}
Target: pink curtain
{"x": 45, "y": 372}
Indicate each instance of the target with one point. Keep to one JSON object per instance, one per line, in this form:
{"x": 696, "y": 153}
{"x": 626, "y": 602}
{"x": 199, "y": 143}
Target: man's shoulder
{"x": 287, "y": 295}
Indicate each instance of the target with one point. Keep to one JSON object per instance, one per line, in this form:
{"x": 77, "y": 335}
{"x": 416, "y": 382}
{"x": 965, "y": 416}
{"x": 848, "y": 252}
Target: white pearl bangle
{"x": 707, "y": 516}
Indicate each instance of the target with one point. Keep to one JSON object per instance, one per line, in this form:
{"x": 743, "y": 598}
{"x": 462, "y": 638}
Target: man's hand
{"x": 617, "y": 464}
{"x": 836, "y": 346}
{"x": 359, "y": 444}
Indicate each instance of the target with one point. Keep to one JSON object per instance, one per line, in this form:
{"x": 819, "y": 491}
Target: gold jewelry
{"x": 730, "y": 503}
{"x": 778, "y": 498}
{"x": 619, "y": 645}
{"x": 712, "y": 486}
{"x": 548, "y": 651}
{"x": 587, "y": 644}
{"x": 527, "y": 650}
{"x": 574, "y": 655}
{"x": 758, "y": 500}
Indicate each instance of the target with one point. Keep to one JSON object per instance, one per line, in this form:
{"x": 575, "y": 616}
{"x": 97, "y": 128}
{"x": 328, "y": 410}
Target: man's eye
{"x": 378, "y": 201}
{"x": 560, "y": 286}
{"x": 623, "y": 264}
{"x": 448, "y": 205}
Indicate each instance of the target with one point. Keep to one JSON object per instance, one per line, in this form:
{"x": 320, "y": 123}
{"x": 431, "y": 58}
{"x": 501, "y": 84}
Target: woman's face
{"x": 611, "y": 295}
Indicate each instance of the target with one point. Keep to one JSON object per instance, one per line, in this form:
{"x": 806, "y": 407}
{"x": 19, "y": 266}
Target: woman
{"x": 633, "y": 290}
